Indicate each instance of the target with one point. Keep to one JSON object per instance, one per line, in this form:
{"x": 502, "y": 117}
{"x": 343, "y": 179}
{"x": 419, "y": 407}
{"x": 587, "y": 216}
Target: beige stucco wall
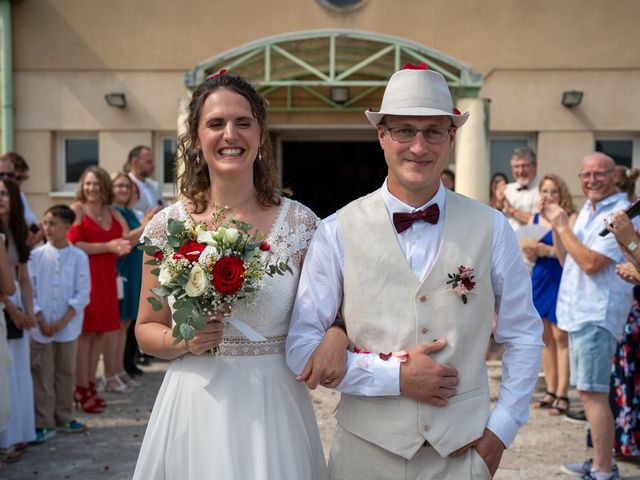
{"x": 69, "y": 53}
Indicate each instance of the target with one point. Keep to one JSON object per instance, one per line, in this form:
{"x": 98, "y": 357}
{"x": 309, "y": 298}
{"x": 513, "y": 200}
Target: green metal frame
{"x": 311, "y": 62}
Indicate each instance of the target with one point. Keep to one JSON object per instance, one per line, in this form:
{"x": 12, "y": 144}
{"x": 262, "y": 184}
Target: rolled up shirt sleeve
{"x": 317, "y": 303}
{"x": 519, "y": 328}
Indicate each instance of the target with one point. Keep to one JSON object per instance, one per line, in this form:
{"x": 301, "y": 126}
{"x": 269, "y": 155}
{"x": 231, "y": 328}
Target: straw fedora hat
{"x": 417, "y": 91}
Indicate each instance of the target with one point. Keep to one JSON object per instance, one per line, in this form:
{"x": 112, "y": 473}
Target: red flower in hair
{"x": 411, "y": 66}
{"x": 221, "y": 72}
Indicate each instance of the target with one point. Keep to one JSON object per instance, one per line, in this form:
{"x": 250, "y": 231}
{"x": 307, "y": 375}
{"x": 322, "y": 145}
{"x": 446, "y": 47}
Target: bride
{"x": 238, "y": 414}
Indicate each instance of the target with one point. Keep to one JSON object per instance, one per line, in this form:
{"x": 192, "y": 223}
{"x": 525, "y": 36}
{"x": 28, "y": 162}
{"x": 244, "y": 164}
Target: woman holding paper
{"x": 548, "y": 257}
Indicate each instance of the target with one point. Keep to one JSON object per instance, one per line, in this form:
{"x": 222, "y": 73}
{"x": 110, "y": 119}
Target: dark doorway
{"x": 325, "y": 176}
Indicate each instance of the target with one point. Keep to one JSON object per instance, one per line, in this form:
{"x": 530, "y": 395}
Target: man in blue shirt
{"x": 593, "y": 304}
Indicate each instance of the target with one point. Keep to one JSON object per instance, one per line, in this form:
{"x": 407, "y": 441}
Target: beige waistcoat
{"x": 386, "y": 308}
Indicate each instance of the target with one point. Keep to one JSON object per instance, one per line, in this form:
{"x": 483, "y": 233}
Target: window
{"x": 165, "y": 156}
{"x": 621, "y": 149}
{"x": 76, "y": 152}
{"x": 501, "y": 149}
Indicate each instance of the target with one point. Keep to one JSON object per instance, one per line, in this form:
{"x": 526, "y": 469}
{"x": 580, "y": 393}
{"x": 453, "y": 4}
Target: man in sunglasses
{"x": 14, "y": 167}
{"x": 416, "y": 272}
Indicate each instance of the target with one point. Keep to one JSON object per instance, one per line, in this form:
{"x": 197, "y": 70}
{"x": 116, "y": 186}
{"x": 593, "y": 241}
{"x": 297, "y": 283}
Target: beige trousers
{"x": 353, "y": 458}
{"x": 53, "y": 368}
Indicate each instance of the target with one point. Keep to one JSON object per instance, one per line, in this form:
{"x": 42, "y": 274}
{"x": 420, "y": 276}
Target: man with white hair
{"x": 593, "y": 304}
{"x": 416, "y": 272}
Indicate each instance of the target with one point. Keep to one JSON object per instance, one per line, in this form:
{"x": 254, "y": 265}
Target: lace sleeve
{"x": 156, "y": 229}
{"x": 295, "y": 233}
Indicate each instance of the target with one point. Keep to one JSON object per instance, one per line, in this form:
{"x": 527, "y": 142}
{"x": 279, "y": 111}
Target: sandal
{"x": 11, "y": 454}
{"x": 542, "y": 403}
{"x": 557, "y": 408}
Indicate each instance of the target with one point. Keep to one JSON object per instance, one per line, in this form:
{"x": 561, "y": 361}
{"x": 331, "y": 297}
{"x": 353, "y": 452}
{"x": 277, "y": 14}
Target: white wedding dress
{"x": 239, "y": 415}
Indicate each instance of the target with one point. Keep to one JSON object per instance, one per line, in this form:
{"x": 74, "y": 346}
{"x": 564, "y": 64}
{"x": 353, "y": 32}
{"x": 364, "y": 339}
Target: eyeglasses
{"x": 596, "y": 175}
{"x": 10, "y": 175}
{"x": 431, "y": 135}
{"x": 22, "y": 178}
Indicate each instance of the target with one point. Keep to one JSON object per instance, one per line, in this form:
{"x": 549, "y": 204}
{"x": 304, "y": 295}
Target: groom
{"x": 418, "y": 270}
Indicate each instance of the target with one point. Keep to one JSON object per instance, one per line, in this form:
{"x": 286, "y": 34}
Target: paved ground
{"x": 109, "y": 450}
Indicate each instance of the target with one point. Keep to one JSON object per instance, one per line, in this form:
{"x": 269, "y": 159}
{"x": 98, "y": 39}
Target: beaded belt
{"x": 241, "y": 347}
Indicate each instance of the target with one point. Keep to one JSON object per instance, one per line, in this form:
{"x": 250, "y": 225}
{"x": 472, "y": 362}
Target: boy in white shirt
{"x": 61, "y": 282}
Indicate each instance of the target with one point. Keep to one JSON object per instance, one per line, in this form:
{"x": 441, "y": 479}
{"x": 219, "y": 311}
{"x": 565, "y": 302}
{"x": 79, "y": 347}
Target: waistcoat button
{"x": 425, "y": 330}
{"x": 423, "y": 299}
{"x": 426, "y": 428}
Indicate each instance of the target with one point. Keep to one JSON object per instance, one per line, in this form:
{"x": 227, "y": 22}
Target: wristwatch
{"x": 632, "y": 246}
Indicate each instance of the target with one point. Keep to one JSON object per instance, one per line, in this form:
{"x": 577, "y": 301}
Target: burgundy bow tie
{"x": 402, "y": 220}
{"x": 522, "y": 187}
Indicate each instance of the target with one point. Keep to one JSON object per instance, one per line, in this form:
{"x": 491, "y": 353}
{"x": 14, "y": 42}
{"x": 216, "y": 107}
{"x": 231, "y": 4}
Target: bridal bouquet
{"x": 207, "y": 270}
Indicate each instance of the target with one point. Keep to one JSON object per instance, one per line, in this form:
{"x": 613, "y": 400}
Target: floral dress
{"x": 625, "y": 385}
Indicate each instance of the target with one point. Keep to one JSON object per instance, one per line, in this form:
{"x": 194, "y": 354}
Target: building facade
{"x": 320, "y": 63}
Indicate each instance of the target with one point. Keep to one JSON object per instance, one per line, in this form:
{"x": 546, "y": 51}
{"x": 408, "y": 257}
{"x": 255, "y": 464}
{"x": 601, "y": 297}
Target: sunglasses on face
{"x": 22, "y": 178}
{"x": 9, "y": 175}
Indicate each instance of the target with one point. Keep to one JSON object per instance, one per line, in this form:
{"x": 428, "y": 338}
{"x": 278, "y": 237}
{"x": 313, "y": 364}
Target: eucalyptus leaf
{"x": 155, "y": 271}
{"x": 187, "y": 331}
{"x": 182, "y": 315}
{"x": 161, "y": 292}
{"x": 173, "y": 241}
{"x": 175, "y": 227}
{"x": 155, "y": 304}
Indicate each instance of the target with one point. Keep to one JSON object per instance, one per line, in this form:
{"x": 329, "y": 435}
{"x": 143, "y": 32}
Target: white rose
{"x": 165, "y": 276}
{"x": 209, "y": 251}
{"x": 197, "y": 283}
{"x": 204, "y": 236}
{"x": 232, "y": 235}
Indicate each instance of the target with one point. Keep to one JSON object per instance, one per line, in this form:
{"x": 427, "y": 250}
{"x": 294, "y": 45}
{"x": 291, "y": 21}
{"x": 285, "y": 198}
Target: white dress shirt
{"x": 603, "y": 298}
{"x": 522, "y": 198}
{"x": 518, "y": 325}
{"x": 60, "y": 278}
{"x": 150, "y": 195}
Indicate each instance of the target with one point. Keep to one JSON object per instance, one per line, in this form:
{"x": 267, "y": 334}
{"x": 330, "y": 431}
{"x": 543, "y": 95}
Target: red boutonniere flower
{"x": 227, "y": 275}
{"x": 191, "y": 250}
{"x": 462, "y": 282}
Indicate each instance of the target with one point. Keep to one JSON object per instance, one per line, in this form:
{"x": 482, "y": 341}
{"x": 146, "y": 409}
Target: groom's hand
{"x": 426, "y": 380}
{"x": 488, "y": 446}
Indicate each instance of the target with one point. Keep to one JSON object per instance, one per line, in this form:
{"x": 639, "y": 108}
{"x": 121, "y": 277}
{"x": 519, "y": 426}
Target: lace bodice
{"x": 269, "y": 311}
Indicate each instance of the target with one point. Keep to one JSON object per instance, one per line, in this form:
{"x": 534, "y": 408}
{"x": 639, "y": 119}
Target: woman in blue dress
{"x": 545, "y": 279}
{"x": 129, "y": 267}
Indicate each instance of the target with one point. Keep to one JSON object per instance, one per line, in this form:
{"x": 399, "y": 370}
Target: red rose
{"x": 191, "y": 250}
{"x": 158, "y": 255}
{"x": 227, "y": 275}
{"x": 265, "y": 247}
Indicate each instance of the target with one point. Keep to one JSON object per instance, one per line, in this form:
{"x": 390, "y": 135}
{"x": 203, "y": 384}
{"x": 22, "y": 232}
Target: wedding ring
{"x": 325, "y": 381}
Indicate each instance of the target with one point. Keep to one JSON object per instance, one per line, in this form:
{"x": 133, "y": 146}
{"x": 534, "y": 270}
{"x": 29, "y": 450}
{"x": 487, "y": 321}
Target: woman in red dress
{"x": 98, "y": 230}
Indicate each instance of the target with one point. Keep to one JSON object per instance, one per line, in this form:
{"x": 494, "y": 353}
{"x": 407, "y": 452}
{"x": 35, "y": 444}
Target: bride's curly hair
{"x": 193, "y": 179}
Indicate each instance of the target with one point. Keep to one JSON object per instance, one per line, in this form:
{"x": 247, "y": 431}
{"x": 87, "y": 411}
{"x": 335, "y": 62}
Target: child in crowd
{"x": 60, "y": 277}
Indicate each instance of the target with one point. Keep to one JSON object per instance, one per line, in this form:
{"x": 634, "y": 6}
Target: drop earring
{"x": 198, "y": 158}
{"x": 259, "y": 156}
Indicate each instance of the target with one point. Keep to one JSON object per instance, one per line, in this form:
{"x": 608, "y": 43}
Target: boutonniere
{"x": 462, "y": 282}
